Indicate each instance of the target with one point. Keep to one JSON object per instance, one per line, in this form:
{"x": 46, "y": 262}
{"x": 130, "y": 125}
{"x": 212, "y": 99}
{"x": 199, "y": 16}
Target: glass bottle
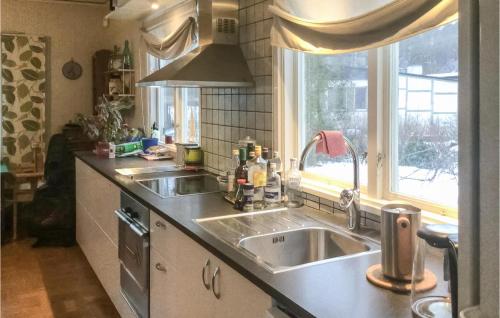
{"x": 242, "y": 170}
{"x": 232, "y": 182}
{"x": 276, "y": 159}
{"x": 293, "y": 188}
{"x": 238, "y": 200}
{"x": 272, "y": 191}
{"x": 127, "y": 56}
{"x": 257, "y": 175}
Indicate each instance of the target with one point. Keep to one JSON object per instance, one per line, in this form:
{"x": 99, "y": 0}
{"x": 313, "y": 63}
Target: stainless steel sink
{"x": 283, "y": 250}
{"x": 284, "y": 240}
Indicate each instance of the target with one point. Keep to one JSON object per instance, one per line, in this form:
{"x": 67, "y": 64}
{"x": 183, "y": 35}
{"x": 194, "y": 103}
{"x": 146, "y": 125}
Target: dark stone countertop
{"x": 334, "y": 289}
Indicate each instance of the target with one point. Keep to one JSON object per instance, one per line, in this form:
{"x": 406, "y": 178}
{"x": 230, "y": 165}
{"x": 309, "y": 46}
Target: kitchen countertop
{"x": 333, "y": 289}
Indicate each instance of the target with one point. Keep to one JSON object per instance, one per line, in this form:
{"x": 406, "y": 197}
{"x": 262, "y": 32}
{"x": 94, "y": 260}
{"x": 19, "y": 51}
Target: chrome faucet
{"x": 349, "y": 198}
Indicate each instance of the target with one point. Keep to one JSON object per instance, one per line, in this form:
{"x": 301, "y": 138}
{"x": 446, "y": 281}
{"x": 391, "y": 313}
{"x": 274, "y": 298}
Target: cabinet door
{"x": 238, "y": 296}
{"x": 162, "y": 288}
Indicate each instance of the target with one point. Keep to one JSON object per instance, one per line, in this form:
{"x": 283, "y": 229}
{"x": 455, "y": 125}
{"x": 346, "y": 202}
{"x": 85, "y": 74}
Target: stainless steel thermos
{"x": 399, "y": 226}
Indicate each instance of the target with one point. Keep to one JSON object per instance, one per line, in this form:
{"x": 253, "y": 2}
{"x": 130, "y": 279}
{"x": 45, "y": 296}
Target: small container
{"x": 149, "y": 142}
{"x": 112, "y": 151}
{"x": 169, "y": 139}
{"x": 248, "y": 193}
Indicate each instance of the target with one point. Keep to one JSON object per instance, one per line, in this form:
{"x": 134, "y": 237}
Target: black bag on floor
{"x": 53, "y": 206}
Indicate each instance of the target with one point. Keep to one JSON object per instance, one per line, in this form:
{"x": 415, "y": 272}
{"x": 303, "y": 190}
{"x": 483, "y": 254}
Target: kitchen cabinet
{"x": 96, "y": 230}
{"x": 192, "y": 289}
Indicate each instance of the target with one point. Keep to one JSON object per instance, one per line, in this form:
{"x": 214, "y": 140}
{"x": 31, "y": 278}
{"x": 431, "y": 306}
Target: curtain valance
{"x": 173, "y": 33}
{"x": 342, "y": 26}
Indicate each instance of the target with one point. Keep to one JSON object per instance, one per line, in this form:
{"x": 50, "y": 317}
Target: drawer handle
{"x": 160, "y": 225}
{"x": 216, "y": 274}
{"x": 204, "y": 274}
{"x": 160, "y": 267}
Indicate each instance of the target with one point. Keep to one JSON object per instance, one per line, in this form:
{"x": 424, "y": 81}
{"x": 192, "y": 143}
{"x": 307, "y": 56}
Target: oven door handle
{"x": 127, "y": 220}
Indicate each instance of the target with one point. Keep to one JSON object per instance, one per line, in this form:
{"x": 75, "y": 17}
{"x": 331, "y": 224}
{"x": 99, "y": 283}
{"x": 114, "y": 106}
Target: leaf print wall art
{"x": 23, "y": 96}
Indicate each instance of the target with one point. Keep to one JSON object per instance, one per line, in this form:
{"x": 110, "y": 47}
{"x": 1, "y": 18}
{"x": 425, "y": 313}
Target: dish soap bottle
{"x": 293, "y": 189}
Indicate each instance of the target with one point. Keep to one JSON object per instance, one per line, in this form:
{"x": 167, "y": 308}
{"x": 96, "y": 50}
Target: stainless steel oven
{"x": 133, "y": 252}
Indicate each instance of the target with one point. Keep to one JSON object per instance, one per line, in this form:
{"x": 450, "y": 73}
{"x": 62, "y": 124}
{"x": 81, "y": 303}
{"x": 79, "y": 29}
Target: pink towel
{"x": 331, "y": 143}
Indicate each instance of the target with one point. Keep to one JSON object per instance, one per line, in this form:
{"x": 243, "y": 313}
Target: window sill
{"x": 369, "y": 205}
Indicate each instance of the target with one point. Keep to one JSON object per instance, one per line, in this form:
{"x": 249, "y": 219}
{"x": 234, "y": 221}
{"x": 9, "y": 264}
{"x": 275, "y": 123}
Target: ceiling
{"x": 138, "y": 9}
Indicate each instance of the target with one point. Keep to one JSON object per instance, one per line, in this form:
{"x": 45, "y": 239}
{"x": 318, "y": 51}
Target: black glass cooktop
{"x": 175, "y": 186}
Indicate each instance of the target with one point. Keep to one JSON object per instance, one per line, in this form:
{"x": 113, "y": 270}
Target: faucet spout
{"x": 349, "y": 199}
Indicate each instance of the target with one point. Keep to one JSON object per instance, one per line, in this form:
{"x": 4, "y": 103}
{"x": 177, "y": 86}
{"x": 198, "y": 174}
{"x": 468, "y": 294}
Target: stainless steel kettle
{"x": 399, "y": 226}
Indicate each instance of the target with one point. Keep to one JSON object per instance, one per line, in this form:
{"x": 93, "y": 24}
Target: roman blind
{"x": 173, "y": 33}
{"x": 342, "y": 26}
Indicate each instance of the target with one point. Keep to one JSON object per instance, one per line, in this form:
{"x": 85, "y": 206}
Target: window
{"x": 405, "y": 95}
{"x": 333, "y": 97}
{"x": 175, "y": 110}
{"x": 424, "y": 150}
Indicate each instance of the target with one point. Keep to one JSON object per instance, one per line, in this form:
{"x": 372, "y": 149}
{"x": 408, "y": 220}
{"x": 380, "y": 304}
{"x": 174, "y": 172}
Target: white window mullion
{"x": 179, "y": 115}
{"x": 375, "y": 122}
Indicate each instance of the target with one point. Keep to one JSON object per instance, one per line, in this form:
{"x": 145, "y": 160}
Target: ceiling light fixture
{"x": 155, "y": 5}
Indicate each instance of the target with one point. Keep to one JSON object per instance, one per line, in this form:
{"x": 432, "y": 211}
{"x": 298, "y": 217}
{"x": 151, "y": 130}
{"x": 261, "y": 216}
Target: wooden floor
{"x": 50, "y": 282}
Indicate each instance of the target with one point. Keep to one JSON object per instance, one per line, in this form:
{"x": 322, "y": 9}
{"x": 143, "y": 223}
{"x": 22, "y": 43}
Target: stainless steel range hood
{"x": 217, "y": 61}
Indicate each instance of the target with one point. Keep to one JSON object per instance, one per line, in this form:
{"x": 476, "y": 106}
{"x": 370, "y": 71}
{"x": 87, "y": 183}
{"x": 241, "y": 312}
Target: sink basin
{"x": 284, "y": 250}
{"x": 175, "y": 186}
{"x": 283, "y": 240}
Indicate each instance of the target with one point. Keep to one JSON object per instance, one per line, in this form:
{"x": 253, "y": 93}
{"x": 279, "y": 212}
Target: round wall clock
{"x": 72, "y": 70}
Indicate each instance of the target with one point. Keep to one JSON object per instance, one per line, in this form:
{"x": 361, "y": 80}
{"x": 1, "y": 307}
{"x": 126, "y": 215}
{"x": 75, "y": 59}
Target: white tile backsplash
{"x": 232, "y": 114}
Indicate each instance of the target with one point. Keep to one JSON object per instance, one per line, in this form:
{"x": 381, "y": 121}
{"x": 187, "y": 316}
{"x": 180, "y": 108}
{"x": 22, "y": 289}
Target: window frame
{"x": 180, "y": 95}
{"x": 382, "y": 63}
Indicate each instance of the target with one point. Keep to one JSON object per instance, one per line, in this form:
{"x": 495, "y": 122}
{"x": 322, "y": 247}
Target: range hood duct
{"x": 217, "y": 61}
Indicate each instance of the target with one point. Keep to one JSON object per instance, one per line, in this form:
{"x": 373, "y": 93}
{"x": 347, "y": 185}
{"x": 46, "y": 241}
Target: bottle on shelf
{"x": 293, "y": 188}
{"x": 238, "y": 200}
{"x": 257, "y": 175}
{"x": 276, "y": 159}
{"x": 242, "y": 170}
{"x": 272, "y": 191}
{"x": 127, "y": 57}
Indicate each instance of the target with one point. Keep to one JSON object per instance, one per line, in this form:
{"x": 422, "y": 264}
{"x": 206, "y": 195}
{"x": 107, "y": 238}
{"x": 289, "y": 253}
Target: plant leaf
{"x": 4, "y": 57}
{"x": 29, "y": 75}
{"x": 11, "y": 149}
{"x": 41, "y": 87}
{"x": 10, "y": 97}
{"x": 36, "y": 112}
{"x": 8, "y": 89}
{"x": 8, "y": 43}
{"x": 22, "y": 91}
{"x": 35, "y": 61}
{"x": 9, "y": 63}
{"x": 31, "y": 125}
{"x": 27, "y": 157}
{"x": 36, "y": 49}
{"x": 7, "y": 75}
{"x": 21, "y": 41}
{"x": 26, "y": 107}
{"x": 5, "y": 109}
{"x": 24, "y": 142}
{"x": 8, "y": 126}
{"x": 10, "y": 115}
{"x": 26, "y": 56}
{"x": 8, "y": 140}
{"x": 36, "y": 99}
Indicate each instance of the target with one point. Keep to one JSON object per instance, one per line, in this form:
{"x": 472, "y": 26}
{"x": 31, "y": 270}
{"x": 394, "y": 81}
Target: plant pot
{"x": 102, "y": 148}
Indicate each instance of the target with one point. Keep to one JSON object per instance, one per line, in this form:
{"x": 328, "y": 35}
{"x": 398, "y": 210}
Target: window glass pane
{"x": 191, "y": 120}
{"x": 335, "y": 97}
{"x": 424, "y": 156}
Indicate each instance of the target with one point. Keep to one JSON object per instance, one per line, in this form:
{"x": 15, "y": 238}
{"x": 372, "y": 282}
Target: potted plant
{"x": 107, "y": 125}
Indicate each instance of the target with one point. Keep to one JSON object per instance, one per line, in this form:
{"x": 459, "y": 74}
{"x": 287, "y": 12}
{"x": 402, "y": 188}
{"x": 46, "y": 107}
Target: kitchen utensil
{"x": 436, "y": 240}
{"x": 399, "y": 225}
